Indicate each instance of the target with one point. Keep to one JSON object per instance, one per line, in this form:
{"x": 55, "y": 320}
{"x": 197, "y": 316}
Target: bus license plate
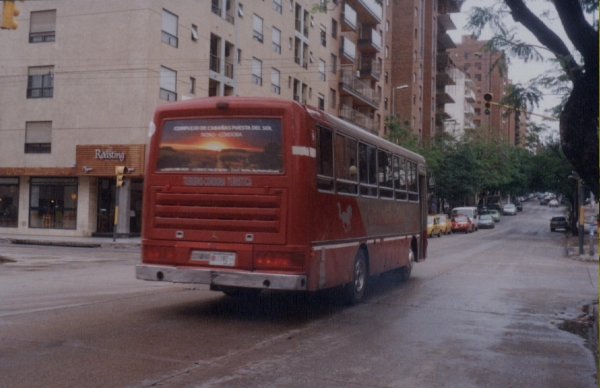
{"x": 226, "y": 259}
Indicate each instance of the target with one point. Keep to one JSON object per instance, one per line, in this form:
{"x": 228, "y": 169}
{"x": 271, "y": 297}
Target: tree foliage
{"x": 478, "y": 163}
{"x": 576, "y": 77}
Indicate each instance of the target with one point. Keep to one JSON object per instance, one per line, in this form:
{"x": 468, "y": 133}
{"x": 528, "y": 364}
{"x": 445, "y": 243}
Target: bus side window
{"x": 324, "y": 159}
{"x": 400, "y": 178}
{"x": 346, "y": 171}
{"x": 367, "y": 167}
{"x": 384, "y": 174}
{"x": 413, "y": 186}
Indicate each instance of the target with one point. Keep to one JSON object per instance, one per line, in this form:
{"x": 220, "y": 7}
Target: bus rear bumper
{"x": 215, "y": 277}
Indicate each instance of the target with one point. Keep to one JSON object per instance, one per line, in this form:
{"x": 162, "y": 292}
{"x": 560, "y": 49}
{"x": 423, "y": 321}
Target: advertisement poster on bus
{"x": 234, "y": 145}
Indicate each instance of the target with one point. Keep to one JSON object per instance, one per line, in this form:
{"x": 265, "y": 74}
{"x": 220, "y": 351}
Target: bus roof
{"x": 316, "y": 114}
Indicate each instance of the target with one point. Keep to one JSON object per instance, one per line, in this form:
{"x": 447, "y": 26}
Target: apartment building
{"x": 79, "y": 82}
{"x": 475, "y": 63}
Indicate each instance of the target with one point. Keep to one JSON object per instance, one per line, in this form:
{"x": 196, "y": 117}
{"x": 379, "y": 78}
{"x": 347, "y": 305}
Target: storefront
{"x": 75, "y": 201}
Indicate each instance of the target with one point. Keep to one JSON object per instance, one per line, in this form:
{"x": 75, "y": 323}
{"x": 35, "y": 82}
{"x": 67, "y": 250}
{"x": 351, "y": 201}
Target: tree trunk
{"x": 579, "y": 129}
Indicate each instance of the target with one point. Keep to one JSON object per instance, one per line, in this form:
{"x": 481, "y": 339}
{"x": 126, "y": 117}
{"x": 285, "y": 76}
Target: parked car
{"x": 553, "y": 203}
{"x": 469, "y": 211}
{"x": 543, "y": 201}
{"x": 462, "y": 223}
{"x": 486, "y": 221}
{"x": 433, "y": 227}
{"x": 519, "y": 205}
{"x": 558, "y": 223}
{"x": 445, "y": 223}
{"x": 495, "y": 215}
{"x": 509, "y": 209}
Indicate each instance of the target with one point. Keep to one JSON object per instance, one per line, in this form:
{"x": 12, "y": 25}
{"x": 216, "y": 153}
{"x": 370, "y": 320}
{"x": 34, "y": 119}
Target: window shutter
{"x": 43, "y": 21}
{"x": 169, "y": 23}
{"x": 38, "y": 132}
{"x": 168, "y": 79}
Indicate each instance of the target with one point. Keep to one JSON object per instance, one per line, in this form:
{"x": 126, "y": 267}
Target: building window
{"x": 256, "y": 71}
{"x": 323, "y": 35}
{"x": 53, "y": 203}
{"x": 241, "y": 10}
{"x": 276, "y": 38}
{"x": 192, "y": 85}
{"x": 194, "y": 33}
{"x": 386, "y": 77}
{"x": 322, "y": 70}
{"x": 334, "y": 28}
{"x": 277, "y": 6}
{"x": 40, "y": 82}
{"x": 333, "y": 63}
{"x": 9, "y": 202}
{"x": 42, "y": 26}
{"x": 321, "y": 99}
{"x": 385, "y": 103}
{"x": 332, "y": 98}
{"x": 258, "y": 29}
{"x": 477, "y": 77}
{"x": 169, "y": 28}
{"x": 168, "y": 84}
{"x": 275, "y": 88}
{"x": 38, "y": 137}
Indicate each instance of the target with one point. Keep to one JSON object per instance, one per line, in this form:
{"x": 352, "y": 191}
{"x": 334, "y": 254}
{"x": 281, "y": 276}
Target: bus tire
{"x": 404, "y": 272}
{"x": 355, "y": 290}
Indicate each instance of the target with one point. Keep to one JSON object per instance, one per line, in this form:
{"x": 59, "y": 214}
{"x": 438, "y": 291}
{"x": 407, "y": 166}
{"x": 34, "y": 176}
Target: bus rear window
{"x": 248, "y": 145}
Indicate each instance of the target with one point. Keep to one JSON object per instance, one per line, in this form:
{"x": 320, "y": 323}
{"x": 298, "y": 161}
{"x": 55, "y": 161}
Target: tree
{"x": 579, "y": 70}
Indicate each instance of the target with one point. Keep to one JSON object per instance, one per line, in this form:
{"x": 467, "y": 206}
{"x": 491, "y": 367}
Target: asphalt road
{"x": 481, "y": 311}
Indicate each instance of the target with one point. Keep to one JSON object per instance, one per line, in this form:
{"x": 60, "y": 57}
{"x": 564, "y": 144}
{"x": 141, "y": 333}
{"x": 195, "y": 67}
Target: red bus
{"x": 246, "y": 194}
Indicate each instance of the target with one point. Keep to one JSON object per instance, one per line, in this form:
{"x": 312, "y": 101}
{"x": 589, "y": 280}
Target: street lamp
{"x": 394, "y": 98}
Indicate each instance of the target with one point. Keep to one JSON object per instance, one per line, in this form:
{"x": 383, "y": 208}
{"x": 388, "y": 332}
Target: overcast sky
{"x": 518, "y": 72}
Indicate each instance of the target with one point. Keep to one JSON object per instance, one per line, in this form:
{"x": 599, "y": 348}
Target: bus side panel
{"x": 332, "y": 266}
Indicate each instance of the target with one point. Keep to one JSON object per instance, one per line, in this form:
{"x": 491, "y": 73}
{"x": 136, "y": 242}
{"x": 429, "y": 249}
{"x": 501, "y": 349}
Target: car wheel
{"x": 404, "y": 272}
{"x": 355, "y": 290}
{"x": 440, "y": 233}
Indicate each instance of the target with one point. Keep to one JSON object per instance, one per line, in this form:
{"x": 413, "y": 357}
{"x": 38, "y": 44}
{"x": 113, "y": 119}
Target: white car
{"x": 553, "y": 203}
{"x": 509, "y": 209}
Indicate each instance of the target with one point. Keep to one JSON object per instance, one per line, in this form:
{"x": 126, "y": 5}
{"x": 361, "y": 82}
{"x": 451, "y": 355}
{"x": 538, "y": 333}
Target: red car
{"x": 462, "y": 223}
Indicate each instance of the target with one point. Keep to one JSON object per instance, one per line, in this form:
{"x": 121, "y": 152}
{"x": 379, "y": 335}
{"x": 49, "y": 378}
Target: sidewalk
{"x": 64, "y": 241}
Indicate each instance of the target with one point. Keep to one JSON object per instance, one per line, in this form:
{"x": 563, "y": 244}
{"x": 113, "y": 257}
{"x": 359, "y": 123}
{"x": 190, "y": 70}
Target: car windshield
{"x": 460, "y": 219}
{"x": 509, "y": 206}
{"x": 486, "y": 218}
{"x": 559, "y": 219}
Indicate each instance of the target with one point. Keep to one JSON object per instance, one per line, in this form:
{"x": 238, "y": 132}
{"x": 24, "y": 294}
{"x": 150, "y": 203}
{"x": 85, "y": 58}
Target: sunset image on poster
{"x": 221, "y": 145}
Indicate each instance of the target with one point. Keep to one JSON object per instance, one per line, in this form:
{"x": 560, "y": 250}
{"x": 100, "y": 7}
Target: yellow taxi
{"x": 433, "y": 227}
{"x": 445, "y": 223}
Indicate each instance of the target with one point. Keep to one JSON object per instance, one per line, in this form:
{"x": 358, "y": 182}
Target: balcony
{"x": 350, "y": 85}
{"x": 469, "y": 95}
{"x": 368, "y": 11}
{"x": 358, "y": 118}
{"x": 369, "y": 68}
{"x": 444, "y": 78}
{"x": 348, "y": 19}
{"x": 441, "y": 97}
{"x": 369, "y": 41}
{"x": 229, "y": 69}
{"x": 445, "y": 23}
{"x": 469, "y": 110}
{"x": 445, "y": 42}
{"x": 347, "y": 51}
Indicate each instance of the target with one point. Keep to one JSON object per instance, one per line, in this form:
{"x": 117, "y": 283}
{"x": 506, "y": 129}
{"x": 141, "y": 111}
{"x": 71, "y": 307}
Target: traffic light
{"x": 120, "y": 171}
{"x": 9, "y": 11}
{"x": 488, "y": 102}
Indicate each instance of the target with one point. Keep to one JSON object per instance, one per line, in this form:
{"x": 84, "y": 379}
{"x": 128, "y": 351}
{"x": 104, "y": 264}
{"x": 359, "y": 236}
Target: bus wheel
{"x": 404, "y": 272}
{"x": 355, "y": 290}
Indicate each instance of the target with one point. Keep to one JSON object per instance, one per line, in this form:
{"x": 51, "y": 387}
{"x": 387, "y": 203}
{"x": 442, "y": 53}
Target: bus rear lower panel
{"x": 222, "y": 277}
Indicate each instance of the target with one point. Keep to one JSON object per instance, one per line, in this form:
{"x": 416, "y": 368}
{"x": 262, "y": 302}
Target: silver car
{"x": 486, "y": 221}
{"x": 509, "y": 209}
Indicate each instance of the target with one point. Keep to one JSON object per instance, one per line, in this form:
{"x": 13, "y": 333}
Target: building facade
{"x": 80, "y": 82}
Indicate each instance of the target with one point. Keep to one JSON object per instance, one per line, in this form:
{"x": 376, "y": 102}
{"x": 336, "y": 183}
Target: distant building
{"x": 476, "y": 65}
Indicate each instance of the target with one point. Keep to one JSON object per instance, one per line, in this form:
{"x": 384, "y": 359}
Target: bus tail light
{"x": 271, "y": 259}
{"x": 154, "y": 253}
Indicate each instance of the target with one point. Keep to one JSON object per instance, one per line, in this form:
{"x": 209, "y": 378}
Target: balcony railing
{"x": 358, "y": 118}
{"x": 348, "y": 18}
{"x": 229, "y": 69}
{"x": 355, "y": 86}
{"x": 370, "y": 40}
{"x": 215, "y": 63}
{"x": 348, "y": 50}
{"x": 369, "y": 68}
{"x": 216, "y": 10}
